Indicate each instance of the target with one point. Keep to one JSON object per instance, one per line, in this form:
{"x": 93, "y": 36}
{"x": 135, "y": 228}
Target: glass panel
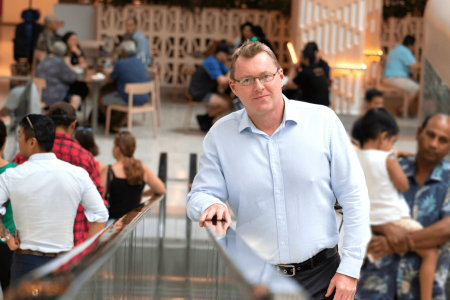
{"x": 362, "y": 14}
{"x": 310, "y": 8}
{"x": 354, "y": 13}
{"x": 327, "y": 37}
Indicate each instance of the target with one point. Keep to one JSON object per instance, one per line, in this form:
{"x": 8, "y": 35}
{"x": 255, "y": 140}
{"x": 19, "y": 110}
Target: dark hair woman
{"x": 85, "y": 137}
{"x": 125, "y": 180}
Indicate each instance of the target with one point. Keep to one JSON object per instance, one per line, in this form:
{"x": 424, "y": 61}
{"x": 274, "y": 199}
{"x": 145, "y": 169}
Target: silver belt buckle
{"x": 285, "y": 272}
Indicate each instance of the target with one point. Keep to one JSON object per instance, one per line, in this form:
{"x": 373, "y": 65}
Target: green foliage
{"x": 284, "y": 6}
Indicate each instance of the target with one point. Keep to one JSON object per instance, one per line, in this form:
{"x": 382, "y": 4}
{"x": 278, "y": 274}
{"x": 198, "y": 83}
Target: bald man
{"x": 396, "y": 275}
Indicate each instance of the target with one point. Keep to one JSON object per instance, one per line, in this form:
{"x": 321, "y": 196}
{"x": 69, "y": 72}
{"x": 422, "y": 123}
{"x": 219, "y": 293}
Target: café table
{"x": 95, "y": 91}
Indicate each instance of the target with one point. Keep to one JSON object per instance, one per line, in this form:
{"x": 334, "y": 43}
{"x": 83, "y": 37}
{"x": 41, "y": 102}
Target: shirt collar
{"x": 290, "y": 114}
{"x": 410, "y": 169}
{"x": 43, "y": 156}
{"x": 64, "y": 136}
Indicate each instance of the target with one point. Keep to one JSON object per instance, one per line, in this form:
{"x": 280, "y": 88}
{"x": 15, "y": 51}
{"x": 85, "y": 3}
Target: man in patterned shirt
{"x": 69, "y": 150}
{"x": 396, "y": 275}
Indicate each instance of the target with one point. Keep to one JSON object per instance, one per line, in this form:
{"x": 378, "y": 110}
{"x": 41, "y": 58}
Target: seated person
{"x": 246, "y": 34}
{"x": 58, "y": 75}
{"x": 129, "y": 69}
{"x": 207, "y": 83}
{"x": 48, "y": 36}
{"x": 310, "y": 78}
{"x": 373, "y": 99}
{"x": 142, "y": 43}
{"x": 20, "y": 93}
{"x": 75, "y": 57}
{"x": 399, "y": 64}
{"x": 397, "y": 274}
{"x": 125, "y": 180}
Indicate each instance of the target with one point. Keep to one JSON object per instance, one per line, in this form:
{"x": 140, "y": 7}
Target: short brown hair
{"x": 249, "y": 50}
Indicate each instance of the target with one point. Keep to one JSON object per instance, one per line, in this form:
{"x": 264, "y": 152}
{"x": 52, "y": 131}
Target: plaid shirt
{"x": 69, "y": 150}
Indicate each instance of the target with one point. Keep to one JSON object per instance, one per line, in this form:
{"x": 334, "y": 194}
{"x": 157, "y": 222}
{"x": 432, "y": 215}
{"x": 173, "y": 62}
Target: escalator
{"x": 133, "y": 259}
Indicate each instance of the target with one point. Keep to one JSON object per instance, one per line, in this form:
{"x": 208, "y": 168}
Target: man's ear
{"x": 419, "y": 131}
{"x": 232, "y": 84}
{"x": 73, "y": 124}
{"x": 384, "y": 135}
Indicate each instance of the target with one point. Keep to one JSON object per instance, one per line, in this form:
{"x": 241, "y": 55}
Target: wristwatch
{"x": 6, "y": 238}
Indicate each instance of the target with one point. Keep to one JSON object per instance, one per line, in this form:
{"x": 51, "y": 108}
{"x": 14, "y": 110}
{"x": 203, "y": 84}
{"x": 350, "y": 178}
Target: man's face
{"x": 222, "y": 56}
{"x": 53, "y": 25}
{"x": 434, "y": 139}
{"x": 247, "y": 32}
{"x": 258, "y": 98}
{"x": 130, "y": 27}
{"x": 377, "y": 102}
{"x": 25, "y": 146}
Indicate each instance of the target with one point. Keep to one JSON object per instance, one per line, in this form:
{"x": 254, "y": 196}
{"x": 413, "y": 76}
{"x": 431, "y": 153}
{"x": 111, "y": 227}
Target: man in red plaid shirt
{"x": 69, "y": 150}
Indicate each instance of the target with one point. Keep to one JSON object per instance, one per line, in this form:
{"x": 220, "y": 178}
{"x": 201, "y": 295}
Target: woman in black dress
{"x": 75, "y": 57}
{"x": 125, "y": 180}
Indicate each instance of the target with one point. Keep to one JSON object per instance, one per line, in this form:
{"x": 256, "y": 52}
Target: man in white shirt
{"x": 281, "y": 164}
{"x": 45, "y": 193}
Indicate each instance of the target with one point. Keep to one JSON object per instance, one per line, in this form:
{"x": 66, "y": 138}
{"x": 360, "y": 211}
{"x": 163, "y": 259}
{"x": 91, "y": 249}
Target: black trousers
{"x": 317, "y": 280}
{"x": 5, "y": 265}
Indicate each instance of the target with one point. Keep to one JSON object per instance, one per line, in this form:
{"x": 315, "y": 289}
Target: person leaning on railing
{"x": 45, "y": 193}
{"x": 282, "y": 164}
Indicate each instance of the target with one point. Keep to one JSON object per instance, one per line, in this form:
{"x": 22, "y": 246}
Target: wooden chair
{"x": 38, "y": 56}
{"x": 135, "y": 89}
{"x": 40, "y": 84}
{"x": 190, "y": 104}
{"x": 157, "y": 77}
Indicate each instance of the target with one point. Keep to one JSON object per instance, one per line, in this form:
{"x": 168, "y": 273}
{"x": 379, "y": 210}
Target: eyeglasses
{"x": 251, "y": 80}
{"x": 29, "y": 122}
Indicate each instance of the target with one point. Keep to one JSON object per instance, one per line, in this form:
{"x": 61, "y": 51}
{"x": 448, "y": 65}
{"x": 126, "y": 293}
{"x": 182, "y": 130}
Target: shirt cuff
{"x": 99, "y": 217}
{"x": 193, "y": 210}
{"x": 350, "y": 266}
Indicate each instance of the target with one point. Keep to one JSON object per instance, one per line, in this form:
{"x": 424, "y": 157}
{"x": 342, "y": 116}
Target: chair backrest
{"x": 139, "y": 89}
{"x": 41, "y": 84}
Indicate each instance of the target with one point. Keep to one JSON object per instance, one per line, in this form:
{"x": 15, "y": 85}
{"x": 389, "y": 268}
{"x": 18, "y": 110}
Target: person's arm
{"x": 349, "y": 187}
{"x": 223, "y": 80}
{"x": 103, "y": 179}
{"x": 209, "y": 190}
{"x": 292, "y": 73}
{"x": 432, "y": 236}
{"x": 155, "y": 184}
{"x": 94, "y": 207}
{"x": 94, "y": 174}
{"x": 398, "y": 238}
{"x": 396, "y": 174}
{"x": 66, "y": 74}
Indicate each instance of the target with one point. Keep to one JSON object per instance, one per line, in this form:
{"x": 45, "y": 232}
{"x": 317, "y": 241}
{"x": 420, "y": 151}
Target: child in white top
{"x": 385, "y": 182}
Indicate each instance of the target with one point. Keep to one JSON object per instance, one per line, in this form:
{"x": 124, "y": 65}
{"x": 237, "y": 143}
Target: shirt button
{"x": 278, "y": 191}
{"x": 282, "y": 243}
{"x": 280, "y": 217}
{"x": 274, "y": 165}
{"x": 271, "y": 140}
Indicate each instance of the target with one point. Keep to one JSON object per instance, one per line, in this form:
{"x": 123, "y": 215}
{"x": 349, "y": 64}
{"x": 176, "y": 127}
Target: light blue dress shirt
{"x": 143, "y": 48}
{"x": 398, "y": 62}
{"x": 282, "y": 188}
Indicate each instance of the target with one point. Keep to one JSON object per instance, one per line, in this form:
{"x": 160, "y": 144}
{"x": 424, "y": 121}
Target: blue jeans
{"x": 24, "y": 263}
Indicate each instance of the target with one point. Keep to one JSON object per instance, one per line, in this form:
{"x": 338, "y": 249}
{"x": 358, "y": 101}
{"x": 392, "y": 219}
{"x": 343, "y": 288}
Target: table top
{"x": 87, "y": 77}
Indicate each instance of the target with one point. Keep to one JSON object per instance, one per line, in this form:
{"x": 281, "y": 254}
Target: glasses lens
{"x": 266, "y": 78}
{"x": 247, "y": 81}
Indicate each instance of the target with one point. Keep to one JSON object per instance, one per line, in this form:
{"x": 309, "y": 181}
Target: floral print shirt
{"x": 397, "y": 276}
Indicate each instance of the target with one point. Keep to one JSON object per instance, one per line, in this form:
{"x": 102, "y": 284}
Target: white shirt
{"x": 282, "y": 188}
{"x": 387, "y": 204}
{"x": 45, "y": 193}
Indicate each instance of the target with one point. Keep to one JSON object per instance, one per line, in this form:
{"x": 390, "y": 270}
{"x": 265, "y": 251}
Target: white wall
{"x": 78, "y": 18}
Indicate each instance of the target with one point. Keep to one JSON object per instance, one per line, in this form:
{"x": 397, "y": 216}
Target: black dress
{"x": 123, "y": 197}
{"x": 79, "y": 88}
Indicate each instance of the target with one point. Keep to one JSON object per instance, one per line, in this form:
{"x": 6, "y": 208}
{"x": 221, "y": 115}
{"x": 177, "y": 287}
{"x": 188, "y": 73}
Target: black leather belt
{"x": 290, "y": 269}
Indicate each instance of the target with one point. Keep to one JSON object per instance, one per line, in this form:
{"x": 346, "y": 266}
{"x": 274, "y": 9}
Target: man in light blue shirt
{"x": 398, "y": 66}
{"x": 143, "y": 47}
{"x": 282, "y": 164}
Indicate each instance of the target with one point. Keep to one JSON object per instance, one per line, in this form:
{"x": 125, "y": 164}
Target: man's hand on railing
{"x": 215, "y": 210}
{"x": 220, "y": 228}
